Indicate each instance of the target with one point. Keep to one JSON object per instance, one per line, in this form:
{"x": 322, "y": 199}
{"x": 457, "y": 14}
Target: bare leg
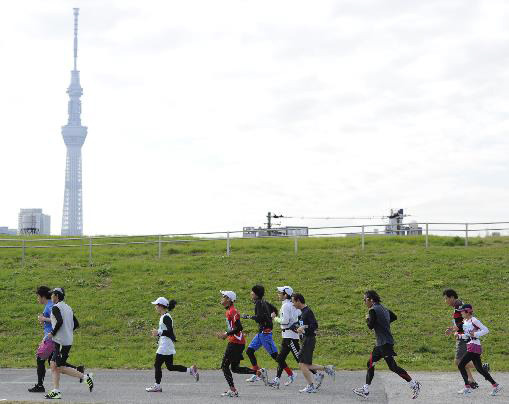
{"x": 71, "y": 372}
{"x": 55, "y": 375}
{"x": 305, "y": 369}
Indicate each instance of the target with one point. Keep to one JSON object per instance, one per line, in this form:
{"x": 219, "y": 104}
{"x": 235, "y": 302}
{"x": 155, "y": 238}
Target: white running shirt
{"x": 288, "y": 316}
{"x": 166, "y": 346}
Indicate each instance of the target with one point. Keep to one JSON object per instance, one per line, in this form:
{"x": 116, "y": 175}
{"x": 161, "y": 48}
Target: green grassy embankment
{"x": 112, "y": 298}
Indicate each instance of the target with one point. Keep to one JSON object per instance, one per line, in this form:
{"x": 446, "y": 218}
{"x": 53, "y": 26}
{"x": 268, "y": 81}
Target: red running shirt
{"x": 232, "y": 316}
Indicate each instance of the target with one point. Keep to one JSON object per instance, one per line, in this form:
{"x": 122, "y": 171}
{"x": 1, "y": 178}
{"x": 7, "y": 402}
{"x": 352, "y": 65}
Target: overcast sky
{"x": 204, "y": 115}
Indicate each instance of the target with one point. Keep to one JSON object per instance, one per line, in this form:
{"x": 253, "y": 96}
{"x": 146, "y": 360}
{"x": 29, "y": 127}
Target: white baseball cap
{"x": 162, "y": 301}
{"x": 285, "y": 289}
{"x": 229, "y": 294}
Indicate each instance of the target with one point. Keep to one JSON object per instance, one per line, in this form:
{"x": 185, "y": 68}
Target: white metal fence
{"x": 465, "y": 230}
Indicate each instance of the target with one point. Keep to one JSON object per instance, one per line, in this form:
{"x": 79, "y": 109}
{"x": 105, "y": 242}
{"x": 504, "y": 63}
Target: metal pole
{"x": 427, "y": 239}
{"x": 89, "y": 251}
{"x": 159, "y": 252}
{"x": 228, "y": 244}
{"x": 466, "y": 234}
{"x": 295, "y": 245}
{"x": 362, "y": 238}
{"x": 23, "y": 254}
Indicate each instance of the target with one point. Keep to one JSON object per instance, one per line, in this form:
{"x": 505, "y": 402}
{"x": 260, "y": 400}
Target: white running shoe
{"x": 154, "y": 389}
{"x": 264, "y": 376}
{"x": 331, "y": 371}
{"x": 230, "y": 393}
{"x": 194, "y": 373}
{"x": 308, "y": 389}
{"x": 291, "y": 379}
{"x": 416, "y": 389}
{"x": 318, "y": 380}
{"x": 275, "y": 383}
{"x": 253, "y": 379}
{"x": 466, "y": 391}
{"x": 53, "y": 395}
{"x": 361, "y": 392}
{"x": 497, "y": 389}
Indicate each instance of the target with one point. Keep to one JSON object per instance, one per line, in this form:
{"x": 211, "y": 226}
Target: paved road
{"x": 128, "y": 386}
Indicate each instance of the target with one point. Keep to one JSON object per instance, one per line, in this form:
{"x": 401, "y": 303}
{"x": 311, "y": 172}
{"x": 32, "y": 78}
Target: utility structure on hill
{"x": 74, "y": 135}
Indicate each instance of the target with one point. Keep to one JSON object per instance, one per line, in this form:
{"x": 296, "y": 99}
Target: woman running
{"x": 166, "y": 345}
{"x": 473, "y": 329}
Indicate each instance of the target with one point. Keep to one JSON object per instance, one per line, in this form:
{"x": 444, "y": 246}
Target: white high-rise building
{"x": 74, "y": 135}
{"x": 33, "y": 221}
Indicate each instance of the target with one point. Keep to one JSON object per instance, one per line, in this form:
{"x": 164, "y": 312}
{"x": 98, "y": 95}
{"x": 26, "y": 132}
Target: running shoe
{"x": 81, "y": 369}
{"x": 253, "y": 379}
{"x": 331, "y": 371}
{"x": 416, "y": 389}
{"x": 275, "y": 383}
{"x": 486, "y": 367}
{"x": 194, "y": 373}
{"x": 38, "y": 388}
{"x": 497, "y": 389}
{"x": 230, "y": 393}
{"x": 264, "y": 375}
{"x": 89, "y": 381}
{"x": 308, "y": 389}
{"x": 318, "y": 380}
{"x": 361, "y": 392}
{"x": 53, "y": 395}
{"x": 466, "y": 391}
{"x": 154, "y": 389}
{"x": 291, "y": 379}
{"x": 474, "y": 385}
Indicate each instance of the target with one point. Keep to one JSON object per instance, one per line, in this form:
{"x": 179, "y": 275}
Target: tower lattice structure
{"x": 74, "y": 135}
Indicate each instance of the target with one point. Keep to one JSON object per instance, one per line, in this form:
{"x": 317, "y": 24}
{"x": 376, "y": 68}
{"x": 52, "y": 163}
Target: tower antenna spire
{"x": 76, "y": 13}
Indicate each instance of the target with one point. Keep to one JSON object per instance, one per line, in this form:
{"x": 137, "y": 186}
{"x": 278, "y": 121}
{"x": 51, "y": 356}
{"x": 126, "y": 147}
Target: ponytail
{"x": 172, "y": 305}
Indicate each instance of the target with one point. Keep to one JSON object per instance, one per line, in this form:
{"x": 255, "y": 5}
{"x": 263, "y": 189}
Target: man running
{"x": 263, "y": 317}
{"x": 307, "y": 327}
{"x": 289, "y": 316}
{"x": 236, "y": 345}
{"x": 63, "y": 324}
{"x": 379, "y": 319}
{"x": 452, "y": 300}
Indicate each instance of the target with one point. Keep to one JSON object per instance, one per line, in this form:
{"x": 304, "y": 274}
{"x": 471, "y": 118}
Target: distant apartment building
{"x": 6, "y": 230}
{"x": 33, "y": 221}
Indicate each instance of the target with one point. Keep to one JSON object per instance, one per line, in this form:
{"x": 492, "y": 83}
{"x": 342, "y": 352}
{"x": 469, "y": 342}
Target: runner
{"x": 263, "y": 316}
{"x": 307, "y": 327}
{"x": 379, "y": 319}
{"x": 43, "y": 297}
{"x": 63, "y": 323}
{"x": 289, "y": 315}
{"x": 451, "y": 299}
{"x": 166, "y": 345}
{"x": 236, "y": 345}
{"x": 473, "y": 329}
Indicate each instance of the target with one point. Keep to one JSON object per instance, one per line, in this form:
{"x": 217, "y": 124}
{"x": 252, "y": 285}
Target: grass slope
{"x": 112, "y": 298}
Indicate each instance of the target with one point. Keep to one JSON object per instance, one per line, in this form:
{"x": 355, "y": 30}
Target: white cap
{"x": 285, "y": 289}
{"x": 229, "y": 294}
{"x": 162, "y": 301}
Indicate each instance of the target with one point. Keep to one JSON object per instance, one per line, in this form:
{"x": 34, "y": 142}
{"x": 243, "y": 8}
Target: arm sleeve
{"x": 392, "y": 316}
{"x": 237, "y": 327}
{"x": 56, "y": 312}
{"x": 371, "y": 320}
{"x": 76, "y": 323}
{"x": 167, "y": 321}
{"x": 483, "y": 330}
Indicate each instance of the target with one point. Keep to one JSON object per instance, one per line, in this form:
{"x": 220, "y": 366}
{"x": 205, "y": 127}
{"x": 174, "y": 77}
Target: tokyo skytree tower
{"x": 74, "y": 135}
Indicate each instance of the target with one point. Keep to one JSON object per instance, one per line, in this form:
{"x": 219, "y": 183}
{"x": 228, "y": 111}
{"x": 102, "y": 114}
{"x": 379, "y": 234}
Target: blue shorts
{"x": 264, "y": 340}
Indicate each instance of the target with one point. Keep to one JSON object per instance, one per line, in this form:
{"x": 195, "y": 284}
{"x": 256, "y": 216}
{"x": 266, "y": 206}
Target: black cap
{"x": 466, "y": 307}
{"x": 259, "y": 290}
{"x": 59, "y": 292}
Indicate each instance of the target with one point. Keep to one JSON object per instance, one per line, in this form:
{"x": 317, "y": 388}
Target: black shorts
{"x": 60, "y": 354}
{"x": 382, "y": 351}
{"x": 234, "y": 352}
{"x": 306, "y": 349}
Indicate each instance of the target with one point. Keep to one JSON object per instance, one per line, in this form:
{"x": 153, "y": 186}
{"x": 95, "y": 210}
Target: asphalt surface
{"x": 128, "y": 386}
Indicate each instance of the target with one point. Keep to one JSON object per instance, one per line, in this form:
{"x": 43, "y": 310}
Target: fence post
{"x": 427, "y": 239}
{"x": 89, "y": 251}
{"x": 466, "y": 234}
{"x": 159, "y": 248}
{"x": 23, "y": 254}
{"x": 362, "y": 238}
{"x": 228, "y": 244}
{"x": 295, "y": 245}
